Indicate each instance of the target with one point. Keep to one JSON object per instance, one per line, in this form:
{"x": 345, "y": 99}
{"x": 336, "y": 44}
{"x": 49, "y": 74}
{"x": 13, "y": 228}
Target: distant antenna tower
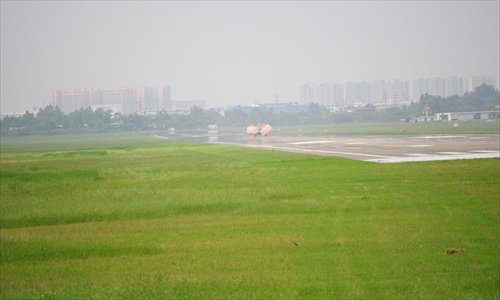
{"x": 276, "y": 98}
{"x": 427, "y": 110}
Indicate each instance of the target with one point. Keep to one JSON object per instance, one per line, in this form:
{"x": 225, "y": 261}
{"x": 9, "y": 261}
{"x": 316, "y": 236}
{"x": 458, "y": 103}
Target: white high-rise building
{"x": 308, "y": 93}
{"x": 397, "y": 91}
{"x": 124, "y": 100}
{"x": 389, "y": 92}
{"x": 419, "y": 88}
{"x": 350, "y": 93}
{"x": 405, "y": 91}
{"x": 325, "y": 94}
{"x": 338, "y": 94}
{"x": 378, "y": 92}
{"x": 488, "y": 80}
{"x": 471, "y": 83}
{"x": 454, "y": 86}
{"x": 435, "y": 87}
{"x": 364, "y": 92}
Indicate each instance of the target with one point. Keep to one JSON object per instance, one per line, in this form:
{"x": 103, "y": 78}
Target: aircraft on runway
{"x": 262, "y": 129}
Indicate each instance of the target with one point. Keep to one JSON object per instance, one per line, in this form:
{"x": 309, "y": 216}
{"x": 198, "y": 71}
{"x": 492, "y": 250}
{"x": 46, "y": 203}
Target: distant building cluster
{"x": 276, "y": 108}
{"x": 124, "y": 100}
{"x": 379, "y": 94}
{"x": 383, "y": 93}
{"x": 450, "y": 86}
{"x": 186, "y": 106}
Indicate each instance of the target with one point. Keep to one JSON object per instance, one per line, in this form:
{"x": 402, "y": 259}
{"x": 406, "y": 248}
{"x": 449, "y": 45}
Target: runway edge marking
{"x": 290, "y": 149}
{"x": 431, "y": 157}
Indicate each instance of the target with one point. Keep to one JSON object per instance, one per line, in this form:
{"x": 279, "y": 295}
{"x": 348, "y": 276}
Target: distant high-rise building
{"x": 156, "y": 98}
{"x": 69, "y": 100}
{"x": 138, "y": 95}
{"x": 338, "y": 94}
{"x": 435, "y": 87}
{"x": 183, "y": 106}
{"x": 405, "y": 91}
{"x": 324, "y": 94}
{"x": 389, "y": 92}
{"x": 488, "y": 80}
{"x": 378, "y": 94}
{"x": 454, "y": 86}
{"x": 350, "y": 93}
{"x": 54, "y": 95}
{"x": 122, "y": 100}
{"x": 419, "y": 88}
{"x": 115, "y": 99}
{"x": 397, "y": 91}
{"x": 307, "y": 93}
{"x": 471, "y": 82}
{"x": 364, "y": 92}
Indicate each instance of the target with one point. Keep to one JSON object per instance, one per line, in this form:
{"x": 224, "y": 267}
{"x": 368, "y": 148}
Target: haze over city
{"x": 238, "y": 52}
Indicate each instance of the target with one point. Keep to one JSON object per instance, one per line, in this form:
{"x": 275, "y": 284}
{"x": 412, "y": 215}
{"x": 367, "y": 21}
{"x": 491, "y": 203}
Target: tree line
{"x": 51, "y": 120}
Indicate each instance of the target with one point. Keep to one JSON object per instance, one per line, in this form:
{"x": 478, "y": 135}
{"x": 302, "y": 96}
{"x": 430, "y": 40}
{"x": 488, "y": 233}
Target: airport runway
{"x": 376, "y": 148}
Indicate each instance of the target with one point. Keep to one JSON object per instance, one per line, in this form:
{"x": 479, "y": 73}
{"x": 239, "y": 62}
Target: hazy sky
{"x": 238, "y": 52}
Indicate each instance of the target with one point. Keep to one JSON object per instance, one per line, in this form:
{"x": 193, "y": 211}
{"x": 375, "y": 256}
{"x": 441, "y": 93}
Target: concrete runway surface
{"x": 372, "y": 148}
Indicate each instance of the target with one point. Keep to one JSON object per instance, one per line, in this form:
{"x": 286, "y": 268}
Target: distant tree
{"x": 197, "y": 118}
{"x": 29, "y": 120}
{"x": 316, "y": 113}
{"x": 486, "y": 91}
{"x": 10, "y": 122}
{"x": 484, "y": 97}
{"x": 163, "y": 120}
{"x": 50, "y": 118}
{"x": 235, "y": 118}
{"x": 260, "y": 115}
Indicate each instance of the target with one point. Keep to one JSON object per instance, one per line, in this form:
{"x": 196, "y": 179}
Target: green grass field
{"x": 129, "y": 216}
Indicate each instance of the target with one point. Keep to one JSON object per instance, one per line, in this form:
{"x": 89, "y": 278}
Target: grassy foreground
{"x": 133, "y": 217}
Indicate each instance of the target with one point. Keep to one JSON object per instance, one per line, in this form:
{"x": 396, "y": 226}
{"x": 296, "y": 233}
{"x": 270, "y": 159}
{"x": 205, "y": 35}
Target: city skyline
{"x": 153, "y": 99}
{"x": 383, "y": 92}
{"x": 124, "y": 100}
{"x": 237, "y": 52}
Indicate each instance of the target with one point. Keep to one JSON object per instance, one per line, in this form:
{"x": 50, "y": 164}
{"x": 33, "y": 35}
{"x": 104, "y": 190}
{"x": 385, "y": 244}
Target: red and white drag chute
{"x": 262, "y": 129}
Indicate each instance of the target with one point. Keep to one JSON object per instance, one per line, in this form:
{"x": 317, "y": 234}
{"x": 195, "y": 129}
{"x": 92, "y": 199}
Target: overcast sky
{"x": 238, "y": 52}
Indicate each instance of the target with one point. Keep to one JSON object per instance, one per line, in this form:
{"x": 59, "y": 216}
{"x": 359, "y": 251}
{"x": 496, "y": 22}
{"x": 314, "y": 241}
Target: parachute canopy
{"x": 261, "y": 129}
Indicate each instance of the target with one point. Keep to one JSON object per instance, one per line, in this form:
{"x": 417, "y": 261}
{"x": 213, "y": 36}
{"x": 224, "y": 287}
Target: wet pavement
{"x": 373, "y": 148}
